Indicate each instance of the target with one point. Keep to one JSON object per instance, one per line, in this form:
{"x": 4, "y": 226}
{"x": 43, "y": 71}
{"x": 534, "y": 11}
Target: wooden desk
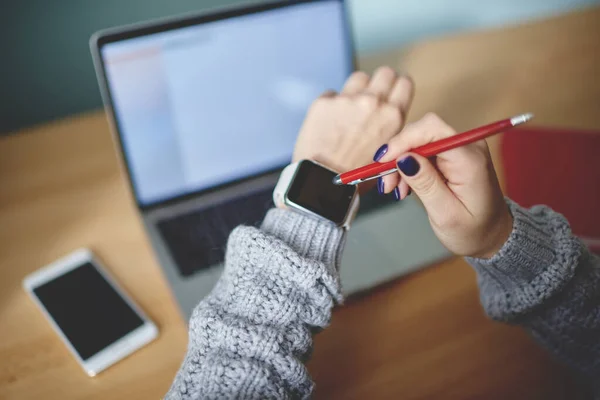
{"x": 423, "y": 336}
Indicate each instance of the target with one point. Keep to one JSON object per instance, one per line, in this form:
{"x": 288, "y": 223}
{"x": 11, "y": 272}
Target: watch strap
{"x": 283, "y": 184}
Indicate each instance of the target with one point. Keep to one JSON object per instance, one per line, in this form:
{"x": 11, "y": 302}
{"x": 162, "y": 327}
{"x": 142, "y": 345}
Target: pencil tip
{"x": 527, "y": 117}
{"x": 337, "y": 180}
{"x": 521, "y": 119}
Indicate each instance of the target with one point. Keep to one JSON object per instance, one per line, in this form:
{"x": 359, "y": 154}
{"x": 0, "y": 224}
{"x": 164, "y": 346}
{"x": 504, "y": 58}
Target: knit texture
{"x": 545, "y": 280}
{"x": 249, "y": 338}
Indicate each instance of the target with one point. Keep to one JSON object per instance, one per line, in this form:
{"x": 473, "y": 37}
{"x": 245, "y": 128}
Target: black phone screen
{"x": 87, "y": 309}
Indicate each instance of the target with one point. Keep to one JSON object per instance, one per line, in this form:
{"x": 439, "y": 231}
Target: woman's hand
{"x": 341, "y": 131}
{"x": 458, "y": 188}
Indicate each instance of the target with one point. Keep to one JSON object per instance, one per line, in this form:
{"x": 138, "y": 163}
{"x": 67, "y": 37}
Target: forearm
{"x": 545, "y": 280}
{"x": 250, "y": 336}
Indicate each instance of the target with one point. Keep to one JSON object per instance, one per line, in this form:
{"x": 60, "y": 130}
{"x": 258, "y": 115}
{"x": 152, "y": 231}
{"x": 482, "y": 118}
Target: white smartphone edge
{"x": 117, "y": 350}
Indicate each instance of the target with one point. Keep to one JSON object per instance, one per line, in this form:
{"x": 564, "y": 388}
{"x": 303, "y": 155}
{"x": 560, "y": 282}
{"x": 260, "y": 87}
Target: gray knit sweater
{"x": 250, "y": 337}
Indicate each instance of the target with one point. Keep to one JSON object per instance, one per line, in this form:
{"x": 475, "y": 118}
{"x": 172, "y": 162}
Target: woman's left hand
{"x": 342, "y": 131}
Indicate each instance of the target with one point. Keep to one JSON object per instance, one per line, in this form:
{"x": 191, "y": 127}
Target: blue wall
{"x": 46, "y": 67}
{"x": 46, "y": 71}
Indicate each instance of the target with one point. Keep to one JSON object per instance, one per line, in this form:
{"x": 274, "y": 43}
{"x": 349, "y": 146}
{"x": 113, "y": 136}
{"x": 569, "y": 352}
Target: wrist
{"x": 499, "y": 235}
{"x": 541, "y": 252}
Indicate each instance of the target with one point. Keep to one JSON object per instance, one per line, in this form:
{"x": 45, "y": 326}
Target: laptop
{"x": 205, "y": 110}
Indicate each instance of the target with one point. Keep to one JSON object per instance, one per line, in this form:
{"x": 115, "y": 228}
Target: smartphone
{"x": 96, "y": 320}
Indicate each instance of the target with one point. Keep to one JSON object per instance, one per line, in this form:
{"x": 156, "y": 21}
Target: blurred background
{"x": 47, "y": 72}
{"x": 473, "y": 62}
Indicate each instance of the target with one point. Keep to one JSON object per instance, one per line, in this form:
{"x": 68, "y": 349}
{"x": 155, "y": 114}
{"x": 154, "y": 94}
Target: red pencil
{"x": 376, "y": 169}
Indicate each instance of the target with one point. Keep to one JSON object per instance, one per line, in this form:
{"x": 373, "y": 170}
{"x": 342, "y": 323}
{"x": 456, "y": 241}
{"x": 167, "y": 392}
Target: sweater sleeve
{"x": 545, "y": 280}
{"x": 249, "y": 338}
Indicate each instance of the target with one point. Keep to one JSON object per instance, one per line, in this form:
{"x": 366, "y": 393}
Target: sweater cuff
{"x": 309, "y": 237}
{"x": 536, "y": 261}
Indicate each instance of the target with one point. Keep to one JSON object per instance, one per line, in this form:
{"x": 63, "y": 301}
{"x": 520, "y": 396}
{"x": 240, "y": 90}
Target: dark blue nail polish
{"x": 409, "y": 166}
{"x": 380, "y": 185}
{"x": 380, "y": 152}
{"x": 396, "y": 193}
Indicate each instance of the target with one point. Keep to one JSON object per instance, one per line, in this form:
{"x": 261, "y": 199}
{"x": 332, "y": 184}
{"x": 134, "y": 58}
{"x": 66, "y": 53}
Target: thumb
{"x": 425, "y": 180}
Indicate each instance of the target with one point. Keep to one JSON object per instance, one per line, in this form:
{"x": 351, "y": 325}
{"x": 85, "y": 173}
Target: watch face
{"x": 312, "y": 188}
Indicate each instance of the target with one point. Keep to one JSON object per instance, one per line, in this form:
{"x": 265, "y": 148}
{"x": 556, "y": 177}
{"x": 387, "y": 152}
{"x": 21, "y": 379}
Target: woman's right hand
{"x": 458, "y": 188}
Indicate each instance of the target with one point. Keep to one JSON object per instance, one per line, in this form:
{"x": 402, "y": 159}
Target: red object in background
{"x": 559, "y": 168}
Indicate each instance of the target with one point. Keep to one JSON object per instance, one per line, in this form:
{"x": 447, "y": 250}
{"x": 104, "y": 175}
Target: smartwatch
{"x": 307, "y": 187}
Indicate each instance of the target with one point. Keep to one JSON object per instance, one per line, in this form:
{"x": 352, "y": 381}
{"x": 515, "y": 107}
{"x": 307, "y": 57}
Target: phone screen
{"x": 87, "y": 309}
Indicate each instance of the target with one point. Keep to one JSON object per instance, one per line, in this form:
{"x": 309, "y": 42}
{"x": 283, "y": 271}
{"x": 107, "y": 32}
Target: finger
{"x": 404, "y": 189}
{"x": 428, "y": 184}
{"x": 396, "y": 186}
{"x": 356, "y": 83}
{"x": 328, "y": 94}
{"x": 387, "y": 183}
{"x": 382, "y": 82}
{"x": 402, "y": 94}
{"x": 390, "y": 182}
{"x": 426, "y": 130}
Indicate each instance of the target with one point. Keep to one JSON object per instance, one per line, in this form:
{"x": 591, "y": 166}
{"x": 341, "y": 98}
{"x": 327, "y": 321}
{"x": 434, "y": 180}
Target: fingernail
{"x": 380, "y": 185}
{"x": 380, "y": 152}
{"x": 409, "y": 166}
{"x": 396, "y": 194}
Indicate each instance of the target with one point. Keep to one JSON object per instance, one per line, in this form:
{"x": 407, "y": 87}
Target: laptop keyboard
{"x": 197, "y": 239}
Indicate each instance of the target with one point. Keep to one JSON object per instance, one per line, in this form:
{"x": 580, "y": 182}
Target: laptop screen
{"x": 208, "y": 104}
